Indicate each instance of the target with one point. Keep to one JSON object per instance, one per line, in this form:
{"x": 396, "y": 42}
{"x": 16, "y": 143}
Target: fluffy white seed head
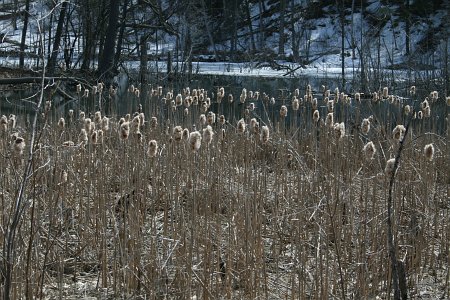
{"x": 208, "y": 135}
{"x": 369, "y": 150}
{"x": 365, "y": 126}
{"x": 241, "y": 126}
{"x": 329, "y": 120}
{"x": 398, "y": 132}
{"x": 389, "y": 169}
{"x": 152, "y": 148}
{"x": 61, "y": 123}
{"x": 195, "y": 141}
{"x": 124, "y": 131}
{"x": 428, "y": 152}
{"x": 177, "y": 133}
{"x": 283, "y": 111}
{"x": 316, "y": 116}
{"x": 265, "y": 134}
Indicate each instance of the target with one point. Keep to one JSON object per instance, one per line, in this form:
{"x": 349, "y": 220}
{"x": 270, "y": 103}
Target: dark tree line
{"x": 100, "y": 35}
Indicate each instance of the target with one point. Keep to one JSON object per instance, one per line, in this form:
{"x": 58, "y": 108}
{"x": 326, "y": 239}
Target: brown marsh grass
{"x": 185, "y": 206}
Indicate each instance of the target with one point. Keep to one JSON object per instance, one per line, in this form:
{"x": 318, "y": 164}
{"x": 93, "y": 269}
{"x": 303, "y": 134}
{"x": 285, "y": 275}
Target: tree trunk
{"x": 58, "y": 34}
{"x": 294, "y": 38}
{"x": 121, "y": 32}
{"x": 281, "y": 32}
{"x": 261, "y": 25}
{"x": 407, "y": 28}
{"x": 24, "y": 34}
{"x": 250, "y": 26}
{"x": 106, "y": 65}
{"x": 342, "y": 14}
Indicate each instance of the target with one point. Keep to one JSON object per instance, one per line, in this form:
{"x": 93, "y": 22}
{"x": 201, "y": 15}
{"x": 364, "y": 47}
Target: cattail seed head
{"x": 19, "y": 146}
{"x": 272, "y": 101}
{"x": 86, "y": 93}
{"x": 222, "y": 134}
{"x": 152, "y": 148}
{"x": 136, "y": 124}
{"x": 97, "y": 118}
{"x": 208, "y": 135}
{"x": 254, "y": 126}
{"x": 369, "y": 150}
{"x": 202, "y": 119}
{"x": 296, "y": 93}
{"x": 124, "y": 130}
{"x": 330, "y": 106}
{"x": 389, "y": 169}
{"x": 89, "y": 125}
{"x": 64, "y": 176}
{"x": 329, "y": 120}
{"x": 100, "y": 87}
{"x": 407, "y": 109}
{"x": 424, "y": 104}
{"x": 412, "y": 90}
{"x": 153, "y": 122}
{"x": 178, "y": 100}
{"x": 428, "y": 152}
{"x": 94, "y": 137}
{"x": 314, "y": 103}
{"x": 221, "y": 120}
{"x": 70, "y": 114}
{"x": 121, "y": 121}
{"x": 265, "y": 134}
{"x": 211, "y": 118}
{"x": 137, "y": 93}
{"x": 375, "y": 97}
{"x": 385, "y": 92}
{"x": 339, "y": 129}
{"x": 78, "y": 88}
{"x": 365, "y": 126}
{"x": 241, "y": 126}
{"x": 427, "y": 112}
{"x": 316, "y": 116}
{"x": 419, "y": 115}
{"x": 357, "y": 97}
{"x": 177, "y": 133}
{"x": 61, "y": 123}
{"x": 83, "y": 137}
{"x": 195, "y": 141}
{"x": 94, "y": 90}
{"x": 3, "y": 123}
{"x": 398, "y": 132}
{"x": 12, "y": 121}
{"x": 105, "y": 123}
{"x": 230, "y": 98}
{"x": 295, "y": 104}
{"x": 283, "y": 111}
{"x": 100, "y": 136}
{"x": 82, "y": 116}
{"x": 185, "y": 134}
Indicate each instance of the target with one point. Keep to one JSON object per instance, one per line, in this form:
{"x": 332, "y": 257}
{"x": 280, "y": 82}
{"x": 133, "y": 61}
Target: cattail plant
{"x": 272, "y": 101}
{"x": 105, "y": 124}
{"x": 81, "y": 117}
{"x": 365, "y": 126}
{"x": 254, "y": 126}
{"x": 124, "y": 130}
{"x": 385, "y": 94}
{"x": 264, "y": 134}
{"x": 295, "y": 104}
{"x": 389, "y": 169}
{"x": 314, "y": 103}
{"x": 153, "y": 122}
{"x": 330, "y": 105}
{"x": 202, "y": 119}
{"x": 78, "y": 88}
{"x": 135, "y": 124}
{"x": 419, "y": 115}
{"x": 358, "y": 97}
{"x": 89, "y": 125}
{"x": 230, "y": 98}
{"x": 86, "y": 93}
{"x": 412, "y": 90}
{"x": 98, "y": 118}
{"x": 177, "y": 133}
{"x": 152, "y": 148}
{"x": 241, "y": 126}
{"x": 407, "y": 109}
{"x": 428, "y": 152}
{"x": 18, "y": 146}
{"x": 283, "y": 111}
{"x": 339, "y": 129}
{"x": 369, "y": 150}
{"x": 94, "y": 137}
{"x": 83, "y": 137}
{"x": 185, "y": 134}
{"x": 61, "y": 123}
{"x": 208, "y": 135}
{"x": 375, "y": 97}
{"x": 12, "y": 121}
{"x": 316, "y": 116}
{"x": 211, "y": 118}
{"x": 178, "y": 100}
{"x": 100, "y": 136}
{"x": 426, "y": 112}
{"x": 398, "y": 132}
{"x": 221, "y": 120}
{"x": 3, "y": 124}
{"x": 243, "y": 95}
{"x": 329, "y": 120}
{"x": 195, "y": 141}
